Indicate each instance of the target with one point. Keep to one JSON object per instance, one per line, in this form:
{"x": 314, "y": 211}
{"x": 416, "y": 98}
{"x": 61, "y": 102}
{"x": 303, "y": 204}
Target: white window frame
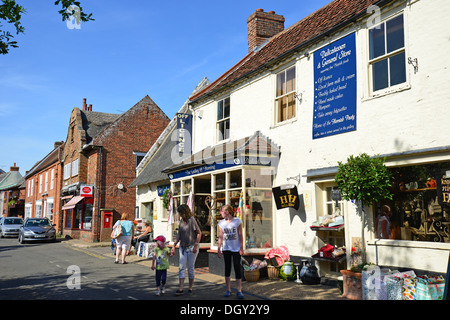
{"x": 223, "y": 136}
{"x": 38, "y": 206}
{"x": 46, "y": 182}
{"x": 67, "y": 168}
{"x": 75, "y": 167}
{"x": 40, "y": 183}
{"x": 52, "y": 179}
{"x": 286, "y": 94}
{"x": 370, "y": 62}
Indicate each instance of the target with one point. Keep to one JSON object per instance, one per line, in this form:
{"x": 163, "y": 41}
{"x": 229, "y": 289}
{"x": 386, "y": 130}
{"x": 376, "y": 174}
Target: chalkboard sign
{"x": 335, "y": 88}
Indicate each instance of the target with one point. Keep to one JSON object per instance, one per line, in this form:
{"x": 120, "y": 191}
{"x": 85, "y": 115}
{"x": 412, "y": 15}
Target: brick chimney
{"x": 14, "y": 168}
{"x": 262, "y": 26}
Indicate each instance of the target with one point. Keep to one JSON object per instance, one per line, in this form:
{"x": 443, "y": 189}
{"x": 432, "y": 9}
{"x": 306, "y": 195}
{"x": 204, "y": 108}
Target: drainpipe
{"x": 99, "y": 171}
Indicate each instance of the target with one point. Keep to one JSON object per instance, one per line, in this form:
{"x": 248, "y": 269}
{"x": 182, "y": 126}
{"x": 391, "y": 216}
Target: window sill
{"x": 286, "y": 122}
{"x": 387, "y": 92}
{"x": 409, "y": 244}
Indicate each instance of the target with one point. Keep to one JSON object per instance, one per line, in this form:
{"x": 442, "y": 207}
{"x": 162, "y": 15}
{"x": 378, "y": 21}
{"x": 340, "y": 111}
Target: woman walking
{"x": 123, "y": 242}
{"x": 189, "y": 237}
{"x": 231, "y": 247}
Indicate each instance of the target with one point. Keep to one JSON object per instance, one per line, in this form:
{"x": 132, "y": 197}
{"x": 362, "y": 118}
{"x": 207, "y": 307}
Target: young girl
{"x": 230, "y": 236}
{"x": 161, "y": 257}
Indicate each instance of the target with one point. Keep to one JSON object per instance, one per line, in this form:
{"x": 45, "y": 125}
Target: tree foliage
{"x": 364, "y": 178}
{"x": 11, "y": 13}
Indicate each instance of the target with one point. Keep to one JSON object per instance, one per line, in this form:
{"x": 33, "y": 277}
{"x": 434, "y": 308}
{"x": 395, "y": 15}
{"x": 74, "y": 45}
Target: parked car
{"x": 9, "y": 226}
{"x": 37, "y": 229}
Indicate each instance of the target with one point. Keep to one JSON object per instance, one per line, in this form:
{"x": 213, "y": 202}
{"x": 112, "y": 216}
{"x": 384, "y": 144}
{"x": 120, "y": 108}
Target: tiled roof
{"x": 13, "y": 179}
{"x": 252, "y": 146}
{"x": 334, "y": 15}
{"x": 48, "y": 160}
{"x": 94, "y": 122}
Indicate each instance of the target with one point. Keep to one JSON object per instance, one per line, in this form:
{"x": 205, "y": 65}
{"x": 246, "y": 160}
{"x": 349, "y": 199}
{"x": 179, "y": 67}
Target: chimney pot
{"x": 90, "y": 107}
{"x": 84, "y": 104}
{"x": 263, "y": 26}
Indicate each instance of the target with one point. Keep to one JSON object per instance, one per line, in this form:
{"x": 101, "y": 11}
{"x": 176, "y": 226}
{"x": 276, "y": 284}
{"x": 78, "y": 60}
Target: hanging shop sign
{"x": 184, "y": 134}
{"x": 86, "y": 190}
{"x": 335, "y": 88}
{"x": 286, "y": 196}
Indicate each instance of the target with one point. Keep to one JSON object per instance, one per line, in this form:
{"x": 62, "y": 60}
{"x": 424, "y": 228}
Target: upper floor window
{"x": 285, "y": 95}
{"x": 75, "y": 167}
{"x": 223, "y": 119}
{"x": 67, "y": 170}
{"x": 387, "y": 62}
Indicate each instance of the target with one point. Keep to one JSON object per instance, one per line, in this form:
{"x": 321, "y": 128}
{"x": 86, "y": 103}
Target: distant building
{"x": 100, "y": 157}
{"x": 12, "y": 193}
{"x": 43, "y": 187}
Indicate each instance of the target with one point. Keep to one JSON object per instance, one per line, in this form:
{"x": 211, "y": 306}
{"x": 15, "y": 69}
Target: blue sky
{"x": 133, "y": 48}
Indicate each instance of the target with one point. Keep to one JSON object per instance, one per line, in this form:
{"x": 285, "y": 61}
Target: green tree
{"x": 11, "y": 13}
{"x": 366, "y": 180}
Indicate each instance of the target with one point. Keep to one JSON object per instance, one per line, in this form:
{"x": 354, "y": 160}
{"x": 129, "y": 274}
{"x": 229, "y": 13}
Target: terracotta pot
{"x": 352, "y": 285}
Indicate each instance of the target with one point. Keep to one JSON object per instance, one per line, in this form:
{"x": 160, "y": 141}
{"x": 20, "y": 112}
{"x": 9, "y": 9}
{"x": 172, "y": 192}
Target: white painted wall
{"x": 412, "y": 118}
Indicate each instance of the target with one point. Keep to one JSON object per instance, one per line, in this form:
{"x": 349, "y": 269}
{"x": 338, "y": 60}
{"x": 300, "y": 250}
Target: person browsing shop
{"x": 231, "y": 247}
{"x": 189, "y": 237}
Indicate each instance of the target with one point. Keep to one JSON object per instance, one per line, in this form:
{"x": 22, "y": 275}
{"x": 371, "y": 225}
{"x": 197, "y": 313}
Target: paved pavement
{"x": 264, "y": 288}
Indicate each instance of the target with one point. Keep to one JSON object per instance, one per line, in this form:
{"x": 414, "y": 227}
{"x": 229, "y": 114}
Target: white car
{"x": 9, "y": 226}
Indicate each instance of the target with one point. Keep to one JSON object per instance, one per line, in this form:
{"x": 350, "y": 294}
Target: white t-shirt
{"x": 230, "y": 234}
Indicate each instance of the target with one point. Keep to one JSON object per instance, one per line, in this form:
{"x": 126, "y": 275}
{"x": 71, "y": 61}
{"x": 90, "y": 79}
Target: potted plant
{"x": 366, "y": 180}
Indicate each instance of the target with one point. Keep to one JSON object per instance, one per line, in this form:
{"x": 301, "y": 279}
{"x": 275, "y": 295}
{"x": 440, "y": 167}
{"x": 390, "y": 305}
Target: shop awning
{"x": 72, "y": 203}
{"x": 256, "y": 149}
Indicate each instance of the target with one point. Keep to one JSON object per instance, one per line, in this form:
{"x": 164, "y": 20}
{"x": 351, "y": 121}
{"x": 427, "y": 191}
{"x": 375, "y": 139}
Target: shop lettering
{"x": 445, "y": 183}
{"x": 288, "y": 200}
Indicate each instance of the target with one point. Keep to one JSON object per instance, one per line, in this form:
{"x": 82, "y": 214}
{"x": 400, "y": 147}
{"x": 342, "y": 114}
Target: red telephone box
{"x": 107, "y": 219}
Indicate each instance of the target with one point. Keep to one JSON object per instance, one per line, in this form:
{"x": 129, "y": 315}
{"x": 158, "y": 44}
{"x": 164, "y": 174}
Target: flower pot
{"x": 352, "y": 285}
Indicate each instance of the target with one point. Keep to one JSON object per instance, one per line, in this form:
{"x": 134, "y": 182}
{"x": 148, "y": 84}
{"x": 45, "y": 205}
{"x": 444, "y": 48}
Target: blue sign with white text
{"x": 335, "y": 88}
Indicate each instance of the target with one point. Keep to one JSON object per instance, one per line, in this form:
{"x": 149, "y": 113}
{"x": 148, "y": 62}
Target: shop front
{"x": 242, "y": 178}
{"x": 409, "y": 232}
{"x": 78, "y": 213}
{"x": 412, "y": 229}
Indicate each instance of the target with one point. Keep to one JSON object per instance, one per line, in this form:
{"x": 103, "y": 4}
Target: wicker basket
{"x": 252, "y": 275}
{"x": 273, "y": 272}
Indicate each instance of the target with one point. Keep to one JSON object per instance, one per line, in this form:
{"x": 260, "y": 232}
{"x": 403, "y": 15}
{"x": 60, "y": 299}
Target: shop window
{"x": 223, "y": 119}
{"x": 420, "y": 209}
{"x": 285, "y": 95}
{"x": 87, "y": 217}
{"x": 327, "y": 210}
{"x": 147, "y": 211}
{"x": 387, "y": 61}
{"x": 258, "y": 219}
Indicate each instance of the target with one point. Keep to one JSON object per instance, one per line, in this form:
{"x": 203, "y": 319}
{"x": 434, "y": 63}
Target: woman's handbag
{"x": 117, "y": 232}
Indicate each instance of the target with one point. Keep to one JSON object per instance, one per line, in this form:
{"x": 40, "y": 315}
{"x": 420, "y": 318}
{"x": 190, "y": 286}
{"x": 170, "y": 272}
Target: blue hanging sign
{"x": 184, "y": 134}
{"x": 335, "y": 88}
